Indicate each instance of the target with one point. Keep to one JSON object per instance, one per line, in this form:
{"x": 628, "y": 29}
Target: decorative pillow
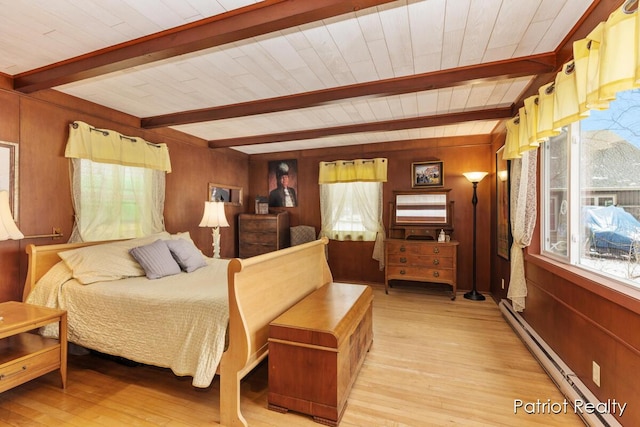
{"x": 186, "y": 254}
{"x": 156, "y": 260}
{"x": 107, "y": 261}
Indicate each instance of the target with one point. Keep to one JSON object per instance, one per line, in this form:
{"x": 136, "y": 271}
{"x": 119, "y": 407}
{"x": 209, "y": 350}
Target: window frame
{"x": 575, "y": 256}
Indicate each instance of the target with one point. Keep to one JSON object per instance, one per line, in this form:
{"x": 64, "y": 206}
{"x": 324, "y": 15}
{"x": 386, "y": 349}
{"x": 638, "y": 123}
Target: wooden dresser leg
{"x": 325, "y": 421}
{"x": 277, "y": 408}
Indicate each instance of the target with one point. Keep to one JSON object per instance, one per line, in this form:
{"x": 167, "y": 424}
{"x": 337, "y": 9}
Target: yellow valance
{"x": 107, "y": 146}
{"x": 605, "y": 62}
{"x": 371, "y": 170}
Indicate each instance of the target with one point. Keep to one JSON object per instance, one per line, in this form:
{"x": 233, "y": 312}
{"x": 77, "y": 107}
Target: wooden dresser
{"x": 259, "y": 234}
{"x": 316, "y": 349}
{"x": 422, "y": 261}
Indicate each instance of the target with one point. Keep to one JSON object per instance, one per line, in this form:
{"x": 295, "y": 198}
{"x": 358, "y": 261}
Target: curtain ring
{"x": 570, "y": 68}
{"x": 549, "y": 90}
{"x": 630, "y": 6}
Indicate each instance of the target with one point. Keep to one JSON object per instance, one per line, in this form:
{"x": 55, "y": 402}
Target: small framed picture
{"x": 427, "y": 174}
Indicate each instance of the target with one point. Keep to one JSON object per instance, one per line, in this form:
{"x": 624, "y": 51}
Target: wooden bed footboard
{"x": 260, "y": 289}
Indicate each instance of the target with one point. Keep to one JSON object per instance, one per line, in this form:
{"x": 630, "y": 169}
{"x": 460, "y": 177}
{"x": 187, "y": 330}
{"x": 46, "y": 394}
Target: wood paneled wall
{"x": 585, "y": 322}
{"x": 39, "y": 124}
{"x": 351, "y": 261}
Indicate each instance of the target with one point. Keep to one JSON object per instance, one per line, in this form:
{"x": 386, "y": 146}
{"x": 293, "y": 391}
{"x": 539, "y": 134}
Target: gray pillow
{"x": 156, "y": 259}
{"x": 186, "y": 254}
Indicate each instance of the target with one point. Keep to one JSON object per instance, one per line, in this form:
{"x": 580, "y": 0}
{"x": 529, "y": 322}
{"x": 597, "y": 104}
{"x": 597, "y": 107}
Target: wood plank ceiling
{"x": 279, "y": 75}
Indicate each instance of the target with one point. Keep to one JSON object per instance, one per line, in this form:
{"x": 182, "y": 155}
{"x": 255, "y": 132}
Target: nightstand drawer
{"x": 29, "y": 367}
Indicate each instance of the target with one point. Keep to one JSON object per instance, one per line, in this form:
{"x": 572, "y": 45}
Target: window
{"x": 351, "y": 210}
{"x": 116, "y": 202}
{"x": 591, "y": 192}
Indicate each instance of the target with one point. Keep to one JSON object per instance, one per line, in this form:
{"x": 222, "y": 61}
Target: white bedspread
{"x": 177, "y": 322}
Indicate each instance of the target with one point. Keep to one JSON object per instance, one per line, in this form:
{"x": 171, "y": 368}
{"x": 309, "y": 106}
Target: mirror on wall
{"x": 421, "y": 214}
{"x": 225, "y": 193}
{"x": 422, "y": 208}
{"x": 9, "y": 174}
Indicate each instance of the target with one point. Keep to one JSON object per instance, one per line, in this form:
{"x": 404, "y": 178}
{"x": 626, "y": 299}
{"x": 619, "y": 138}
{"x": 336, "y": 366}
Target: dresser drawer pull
{"x": 436, "y": 274}
{"x": 436, "y": 261}
{"x": 5, "y": 376}
{"x": 436, "y": 250}
{"x": 403, "y": 260}
{"x": 403, "y": 272}
{"x": 403, "y": 249}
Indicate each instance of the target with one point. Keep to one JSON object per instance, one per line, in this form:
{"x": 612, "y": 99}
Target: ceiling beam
{"x": 250, "y": 21}
{"x": 389, "y": 125}
{"x": 512, "y": 68}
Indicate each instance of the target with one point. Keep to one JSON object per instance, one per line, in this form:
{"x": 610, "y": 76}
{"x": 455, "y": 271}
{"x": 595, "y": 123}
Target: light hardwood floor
{"x": 433, "y": 362}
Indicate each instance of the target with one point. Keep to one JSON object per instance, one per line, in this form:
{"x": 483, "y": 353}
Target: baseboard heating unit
{"x": 568, "y": 382}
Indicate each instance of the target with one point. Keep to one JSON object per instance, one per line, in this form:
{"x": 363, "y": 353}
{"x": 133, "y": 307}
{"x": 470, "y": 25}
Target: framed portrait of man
{"x": 283, "y": 183}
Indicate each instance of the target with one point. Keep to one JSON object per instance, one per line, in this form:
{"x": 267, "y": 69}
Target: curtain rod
{"x": 53, "y": 235}
{"x": 350, "y": 162}
{"x": 106, "y": 133}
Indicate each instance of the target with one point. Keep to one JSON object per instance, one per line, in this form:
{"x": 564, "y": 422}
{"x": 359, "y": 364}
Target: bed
{"x": 257, "y": 290}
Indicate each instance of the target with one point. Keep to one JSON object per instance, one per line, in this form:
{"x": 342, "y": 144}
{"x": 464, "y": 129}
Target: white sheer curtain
{"x": 605, "y": 62}
{"x": 523, "y": 219}
{"x": 353, "y": 211}
{"x": 118, "y": 184}
{"x": 116, "y": 202}
{"x": 351, "y": 201}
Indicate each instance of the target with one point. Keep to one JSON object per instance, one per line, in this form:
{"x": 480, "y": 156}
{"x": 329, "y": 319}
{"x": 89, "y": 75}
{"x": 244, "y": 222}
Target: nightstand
{"x": 25, "y": 355}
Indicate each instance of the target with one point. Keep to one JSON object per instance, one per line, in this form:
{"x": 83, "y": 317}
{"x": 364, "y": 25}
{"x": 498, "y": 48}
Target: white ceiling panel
{"x": 391, "y": 41}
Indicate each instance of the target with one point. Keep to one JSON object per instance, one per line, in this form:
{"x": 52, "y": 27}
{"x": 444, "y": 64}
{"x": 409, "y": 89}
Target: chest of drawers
{"x": 422, "y": 261}
{"x": 259, "y": 234}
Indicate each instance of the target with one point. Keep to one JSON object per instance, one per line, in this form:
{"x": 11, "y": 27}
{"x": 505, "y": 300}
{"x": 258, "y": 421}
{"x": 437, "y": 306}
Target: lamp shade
{"x": 8, "y": 228}
{"x": 475, "y": 176}
{"x": 214, "y": 215}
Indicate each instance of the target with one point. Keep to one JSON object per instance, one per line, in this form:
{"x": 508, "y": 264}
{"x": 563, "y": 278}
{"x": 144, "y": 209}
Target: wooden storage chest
{"x": 316, "y": 349}
{"x": 259, "y": 234}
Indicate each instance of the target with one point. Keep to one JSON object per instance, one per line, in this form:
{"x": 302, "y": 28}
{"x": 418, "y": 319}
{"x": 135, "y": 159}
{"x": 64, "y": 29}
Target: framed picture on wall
{"x": 9, "y": 174}
{"x": 503, "y": 237}
{"x": 283, "y": 183}
{"x": 427, "y": 174}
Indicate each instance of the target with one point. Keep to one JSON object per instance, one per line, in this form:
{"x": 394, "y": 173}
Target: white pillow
{"x": 108, "y": 261}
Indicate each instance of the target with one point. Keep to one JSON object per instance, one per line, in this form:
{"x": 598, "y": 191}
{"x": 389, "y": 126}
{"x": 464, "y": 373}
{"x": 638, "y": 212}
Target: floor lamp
{"x": 215, "y": 218}
{"x": 474, "y": 178}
